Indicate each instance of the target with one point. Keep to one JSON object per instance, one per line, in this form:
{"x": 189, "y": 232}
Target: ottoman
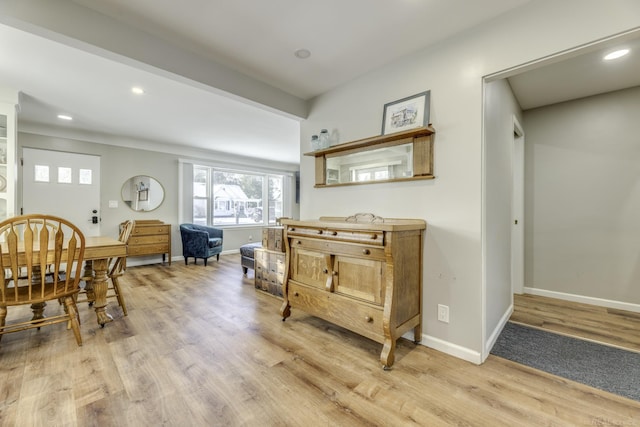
{"x": 246, "y": 255}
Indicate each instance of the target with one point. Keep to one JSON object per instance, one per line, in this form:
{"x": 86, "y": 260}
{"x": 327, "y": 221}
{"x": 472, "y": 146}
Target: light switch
{"x": 113, "y": 203}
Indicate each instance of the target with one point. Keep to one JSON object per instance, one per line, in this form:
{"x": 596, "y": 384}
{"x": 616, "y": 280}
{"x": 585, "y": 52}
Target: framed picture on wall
{"x": 406, "y": 113}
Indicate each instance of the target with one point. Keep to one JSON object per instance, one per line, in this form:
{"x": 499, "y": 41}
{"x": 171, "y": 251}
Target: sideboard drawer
{"x": 325, "y": 246}
{"x": 369, "y": 237}
{"x": 364, "y": 319}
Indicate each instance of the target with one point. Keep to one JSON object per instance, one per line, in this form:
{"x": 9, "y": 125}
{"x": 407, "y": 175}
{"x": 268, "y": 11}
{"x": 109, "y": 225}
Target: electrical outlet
{"x": 443, "y": 313}
{"x": 250, "y": 238}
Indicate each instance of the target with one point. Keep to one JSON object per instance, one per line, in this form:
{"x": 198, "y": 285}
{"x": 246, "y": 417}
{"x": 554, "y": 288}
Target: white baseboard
{"x": 619, "y": 305}
{"x": 451, "y": 349}
{"x": 496, "y": 332}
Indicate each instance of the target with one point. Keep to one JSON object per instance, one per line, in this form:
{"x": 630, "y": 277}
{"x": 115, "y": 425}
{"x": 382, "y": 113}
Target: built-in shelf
{"x": 401, "y": 156}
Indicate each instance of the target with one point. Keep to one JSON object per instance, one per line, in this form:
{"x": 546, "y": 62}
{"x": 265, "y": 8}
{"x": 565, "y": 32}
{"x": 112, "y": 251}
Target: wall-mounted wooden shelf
{"x": 401, "y": 156}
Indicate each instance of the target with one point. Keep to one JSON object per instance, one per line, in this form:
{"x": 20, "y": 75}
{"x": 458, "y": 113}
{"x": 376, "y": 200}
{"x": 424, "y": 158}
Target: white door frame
{"x": 517, "y": 209}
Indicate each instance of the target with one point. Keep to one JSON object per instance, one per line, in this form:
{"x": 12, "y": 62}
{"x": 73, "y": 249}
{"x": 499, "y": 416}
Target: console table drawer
{"x": 143, "y": 229}
{"x": 145, "y": 240}
{"x": 136, "y": 250}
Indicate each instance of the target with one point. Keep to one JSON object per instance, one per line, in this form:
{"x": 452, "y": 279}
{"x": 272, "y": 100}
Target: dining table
{"x": 97, "y": 252}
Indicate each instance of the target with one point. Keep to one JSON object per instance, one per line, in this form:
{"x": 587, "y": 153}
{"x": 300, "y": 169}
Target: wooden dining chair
{"x": 115, "y": 268}
{"x": 31, "y": 245}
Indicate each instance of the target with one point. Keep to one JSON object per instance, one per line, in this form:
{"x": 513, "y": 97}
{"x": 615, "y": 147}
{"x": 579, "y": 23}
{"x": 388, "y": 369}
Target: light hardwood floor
{"x": 609, "y": 326}
{"x": 201, "y": 347}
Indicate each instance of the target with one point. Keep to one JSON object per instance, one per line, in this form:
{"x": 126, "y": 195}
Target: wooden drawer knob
{"x": 366, "y": 251}
{"x": 368, "y": 319}
{"x": 295, "y": 294}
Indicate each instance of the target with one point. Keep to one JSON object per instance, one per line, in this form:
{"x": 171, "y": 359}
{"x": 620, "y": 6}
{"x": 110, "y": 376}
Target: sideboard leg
{"x": 285, "y": 311}
{"x": 387, "y": 356}
{"x": 417, "y": 334}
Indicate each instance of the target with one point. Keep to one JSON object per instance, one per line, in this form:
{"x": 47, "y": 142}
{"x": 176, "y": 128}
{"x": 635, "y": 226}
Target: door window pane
{"x": 64, "y": 175}
{"x": 41, "y": 173}
{"x": 84, "y": 176}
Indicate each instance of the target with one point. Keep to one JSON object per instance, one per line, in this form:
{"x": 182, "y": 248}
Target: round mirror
{"x": 142, "y": 193}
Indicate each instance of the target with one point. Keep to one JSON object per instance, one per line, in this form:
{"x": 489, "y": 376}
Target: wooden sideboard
{"x": 150, "y": 237}
{"x": 363, "y": 273}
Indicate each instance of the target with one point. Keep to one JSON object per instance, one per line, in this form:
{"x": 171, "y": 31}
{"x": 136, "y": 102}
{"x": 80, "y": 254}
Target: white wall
{"x": 583, "y": 197}
{"x": 452, "y": 203}
{"x": 118, "y": 164}
{"x": 500, "y": 108}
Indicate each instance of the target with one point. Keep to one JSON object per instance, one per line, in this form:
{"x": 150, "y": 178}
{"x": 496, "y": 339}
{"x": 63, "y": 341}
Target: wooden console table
{"x": 150, "y": 237}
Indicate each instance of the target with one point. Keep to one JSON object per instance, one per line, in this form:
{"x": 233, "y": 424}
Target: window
{"x": 229, "y": 197}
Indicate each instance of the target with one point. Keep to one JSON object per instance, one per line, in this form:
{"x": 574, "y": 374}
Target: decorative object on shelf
{"x": 315, "y": 143}
{"x": 364, "y": 276}
{"x": 3, "y": 183}
{"x": 324, "y": 139}
{"x": 142, "y": 193}
{"x": 406, "y": 113}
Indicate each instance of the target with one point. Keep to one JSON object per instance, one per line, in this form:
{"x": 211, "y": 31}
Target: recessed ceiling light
{"x": 64, "y": 117}
{"x": 616, "y": 54}
{"x": 137, "y": 90}
{"x": 302, "y": 53}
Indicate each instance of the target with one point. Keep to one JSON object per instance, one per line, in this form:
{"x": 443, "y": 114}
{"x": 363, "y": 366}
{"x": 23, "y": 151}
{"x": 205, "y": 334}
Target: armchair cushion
{"x": 200, "y": 241}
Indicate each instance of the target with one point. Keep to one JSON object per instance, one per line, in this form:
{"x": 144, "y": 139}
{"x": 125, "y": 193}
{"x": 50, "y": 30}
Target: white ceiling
{"x": 253, "y": 37}
{"x": 579, "y": 74}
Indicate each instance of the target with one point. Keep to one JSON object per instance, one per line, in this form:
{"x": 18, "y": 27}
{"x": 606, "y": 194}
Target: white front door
{"x": 62, "y": 184}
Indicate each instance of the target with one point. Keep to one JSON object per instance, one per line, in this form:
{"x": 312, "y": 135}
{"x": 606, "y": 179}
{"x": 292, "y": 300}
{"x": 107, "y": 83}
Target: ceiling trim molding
{"x": 155, "y": 146}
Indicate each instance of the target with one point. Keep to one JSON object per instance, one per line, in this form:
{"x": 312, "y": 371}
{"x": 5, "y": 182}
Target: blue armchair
{"x": 200, "y": 241}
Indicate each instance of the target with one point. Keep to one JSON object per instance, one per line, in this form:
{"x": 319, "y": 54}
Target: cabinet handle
{"x": 319, "y": 231}
{"x": 368, "y": 319}
{"x": 298, "y": 242}
{"x": 292, "y": 229}
{"x": 325, "y": 271}
{"x": 374, "y": 236}
{"x": 295, "y": 294}
{"x": 334, "y": 233}
{"x": 366, "y": 251}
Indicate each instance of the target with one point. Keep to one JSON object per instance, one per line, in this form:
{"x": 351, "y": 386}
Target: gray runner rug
{"x": 600, "y": 366}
